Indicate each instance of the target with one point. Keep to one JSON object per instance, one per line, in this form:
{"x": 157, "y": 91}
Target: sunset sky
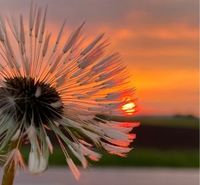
{"x": 157, "y": 39}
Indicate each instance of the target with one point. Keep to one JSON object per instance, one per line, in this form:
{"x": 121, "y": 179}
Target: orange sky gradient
{"x": 158, "y": 40}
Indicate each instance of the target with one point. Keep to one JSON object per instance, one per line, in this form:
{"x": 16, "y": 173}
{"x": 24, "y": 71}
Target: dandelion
{"x": 59, "y": 86}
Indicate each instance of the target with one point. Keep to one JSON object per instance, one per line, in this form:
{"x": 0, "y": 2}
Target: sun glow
{"x": 128, "y": 107}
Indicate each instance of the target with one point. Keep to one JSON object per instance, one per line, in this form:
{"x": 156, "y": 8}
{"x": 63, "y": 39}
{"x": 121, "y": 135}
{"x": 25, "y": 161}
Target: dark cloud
{"x": 116, "y": 12}
{"x": 104, "y": 11}
{"x": 167, "y": 12}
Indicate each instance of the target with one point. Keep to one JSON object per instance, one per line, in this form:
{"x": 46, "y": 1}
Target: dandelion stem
{"x": 10, "y": 168}
{"x": 9, "y": 173}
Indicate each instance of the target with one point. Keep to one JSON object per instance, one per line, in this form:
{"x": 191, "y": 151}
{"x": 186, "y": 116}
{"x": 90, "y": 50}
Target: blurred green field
{"x": 142, "y": 158}
{"x": 139, "y": 157}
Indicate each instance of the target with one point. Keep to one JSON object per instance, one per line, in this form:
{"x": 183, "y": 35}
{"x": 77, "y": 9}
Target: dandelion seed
{"x": 62, "y": 88}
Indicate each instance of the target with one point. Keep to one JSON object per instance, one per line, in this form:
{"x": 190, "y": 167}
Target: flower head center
{"x": 31, "y": 101}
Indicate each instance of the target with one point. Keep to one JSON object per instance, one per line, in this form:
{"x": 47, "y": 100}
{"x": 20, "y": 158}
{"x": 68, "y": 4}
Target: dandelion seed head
{"x": 61, "y": 87}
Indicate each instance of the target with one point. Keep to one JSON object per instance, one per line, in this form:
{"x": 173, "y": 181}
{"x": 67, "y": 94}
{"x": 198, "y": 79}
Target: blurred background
{"x": 158, "y": 40}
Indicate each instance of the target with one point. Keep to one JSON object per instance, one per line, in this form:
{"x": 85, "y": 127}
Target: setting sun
{"x": 128, "y": 107}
